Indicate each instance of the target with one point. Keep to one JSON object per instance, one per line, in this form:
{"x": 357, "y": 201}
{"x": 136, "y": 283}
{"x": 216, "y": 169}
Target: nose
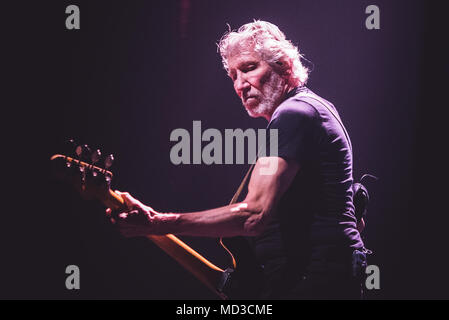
{"x": 241, "y": 84}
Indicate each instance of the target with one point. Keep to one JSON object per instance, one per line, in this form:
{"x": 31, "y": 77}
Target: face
{"x": 258, "y": 85}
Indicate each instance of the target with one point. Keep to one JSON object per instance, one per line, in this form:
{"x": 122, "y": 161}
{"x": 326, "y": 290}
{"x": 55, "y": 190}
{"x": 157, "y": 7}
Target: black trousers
{"x": 330, "y": 275}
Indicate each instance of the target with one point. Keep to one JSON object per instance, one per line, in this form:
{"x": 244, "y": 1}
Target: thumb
{"x": 129, "y": 201}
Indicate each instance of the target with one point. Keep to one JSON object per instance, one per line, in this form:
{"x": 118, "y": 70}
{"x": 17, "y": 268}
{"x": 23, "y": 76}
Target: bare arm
{"x": 247, "y": 218}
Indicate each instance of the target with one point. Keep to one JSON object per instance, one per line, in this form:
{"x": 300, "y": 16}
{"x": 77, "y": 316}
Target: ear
{"x": 283, "y": 69}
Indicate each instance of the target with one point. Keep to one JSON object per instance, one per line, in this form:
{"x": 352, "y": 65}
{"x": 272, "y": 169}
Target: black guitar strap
{"x": 242, "y": 185}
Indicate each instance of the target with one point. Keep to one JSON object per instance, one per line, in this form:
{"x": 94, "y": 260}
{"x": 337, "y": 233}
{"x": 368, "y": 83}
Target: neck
{"x": 285, "y": 91}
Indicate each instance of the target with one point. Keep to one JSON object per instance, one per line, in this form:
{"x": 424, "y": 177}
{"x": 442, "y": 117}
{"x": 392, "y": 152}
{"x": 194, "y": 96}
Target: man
{"x": 301, "y": 217}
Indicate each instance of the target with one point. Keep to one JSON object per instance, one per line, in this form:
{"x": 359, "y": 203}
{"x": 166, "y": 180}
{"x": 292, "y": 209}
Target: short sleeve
{"x": 295, "y": 122}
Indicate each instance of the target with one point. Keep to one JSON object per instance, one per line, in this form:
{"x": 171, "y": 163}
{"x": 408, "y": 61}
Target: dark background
{"x": 136, "y": 70}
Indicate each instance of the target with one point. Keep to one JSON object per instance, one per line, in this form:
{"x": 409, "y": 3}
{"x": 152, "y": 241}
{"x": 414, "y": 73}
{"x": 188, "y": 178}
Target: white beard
{"x": 272, "y": 92}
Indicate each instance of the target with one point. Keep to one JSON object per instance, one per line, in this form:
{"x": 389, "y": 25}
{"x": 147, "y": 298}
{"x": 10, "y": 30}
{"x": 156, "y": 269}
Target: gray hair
{"x": 267, "y": 40}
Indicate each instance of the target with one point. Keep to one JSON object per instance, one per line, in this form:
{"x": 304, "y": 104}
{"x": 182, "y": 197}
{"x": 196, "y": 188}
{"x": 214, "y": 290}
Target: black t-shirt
{"x": 314, "y": 222}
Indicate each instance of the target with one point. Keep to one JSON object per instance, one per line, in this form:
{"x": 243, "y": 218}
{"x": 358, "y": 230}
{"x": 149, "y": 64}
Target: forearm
{"x": 228, "y": 221}
{"x": 247, "y": 218}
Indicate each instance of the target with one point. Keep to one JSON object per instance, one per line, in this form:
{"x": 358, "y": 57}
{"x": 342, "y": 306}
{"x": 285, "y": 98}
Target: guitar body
{"x": 247, "y": 279}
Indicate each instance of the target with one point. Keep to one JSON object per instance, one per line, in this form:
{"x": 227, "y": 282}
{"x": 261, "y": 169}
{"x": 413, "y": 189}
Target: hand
{"x": 136, "y": 220}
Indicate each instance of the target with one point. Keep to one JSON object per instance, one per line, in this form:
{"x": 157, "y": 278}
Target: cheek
{"x": 264, "y": 77}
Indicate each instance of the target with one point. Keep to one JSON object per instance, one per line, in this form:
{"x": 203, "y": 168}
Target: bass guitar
{"x": 240, "y": 280}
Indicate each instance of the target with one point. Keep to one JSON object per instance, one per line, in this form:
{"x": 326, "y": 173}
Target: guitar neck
{"x": 205, "y": 271}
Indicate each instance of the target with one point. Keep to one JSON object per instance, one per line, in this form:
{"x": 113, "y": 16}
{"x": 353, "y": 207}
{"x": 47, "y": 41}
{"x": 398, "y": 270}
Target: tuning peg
{"x": 83, "y": 152}
{"x": 108, "y": 161}
{"x": 107, "y": 164}
{"x": 96, "y": 155}
{"x": 79, "y": 151}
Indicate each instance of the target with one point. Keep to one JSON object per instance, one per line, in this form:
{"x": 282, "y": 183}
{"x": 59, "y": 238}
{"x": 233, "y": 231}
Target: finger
{"x": 130, "y": 202}
{"x": 131, "y": 216}
{"x": 123, "y": 215}
{"x": 122, "y": 196}
{"x": 118, "y": 215}
{"x": 108, "y": 212}
{"x": 125, "y": 196}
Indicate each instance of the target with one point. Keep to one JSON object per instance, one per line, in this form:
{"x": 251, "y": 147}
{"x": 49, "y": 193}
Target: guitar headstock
{"x": 83, "y": 172}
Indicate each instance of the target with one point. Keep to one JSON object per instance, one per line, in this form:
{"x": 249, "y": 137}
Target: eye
{"x": 249, "y": 68}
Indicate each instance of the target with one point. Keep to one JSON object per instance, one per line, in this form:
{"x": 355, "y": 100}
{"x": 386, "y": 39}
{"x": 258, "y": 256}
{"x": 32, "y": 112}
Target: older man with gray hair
{"x": 300, "y": 218}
